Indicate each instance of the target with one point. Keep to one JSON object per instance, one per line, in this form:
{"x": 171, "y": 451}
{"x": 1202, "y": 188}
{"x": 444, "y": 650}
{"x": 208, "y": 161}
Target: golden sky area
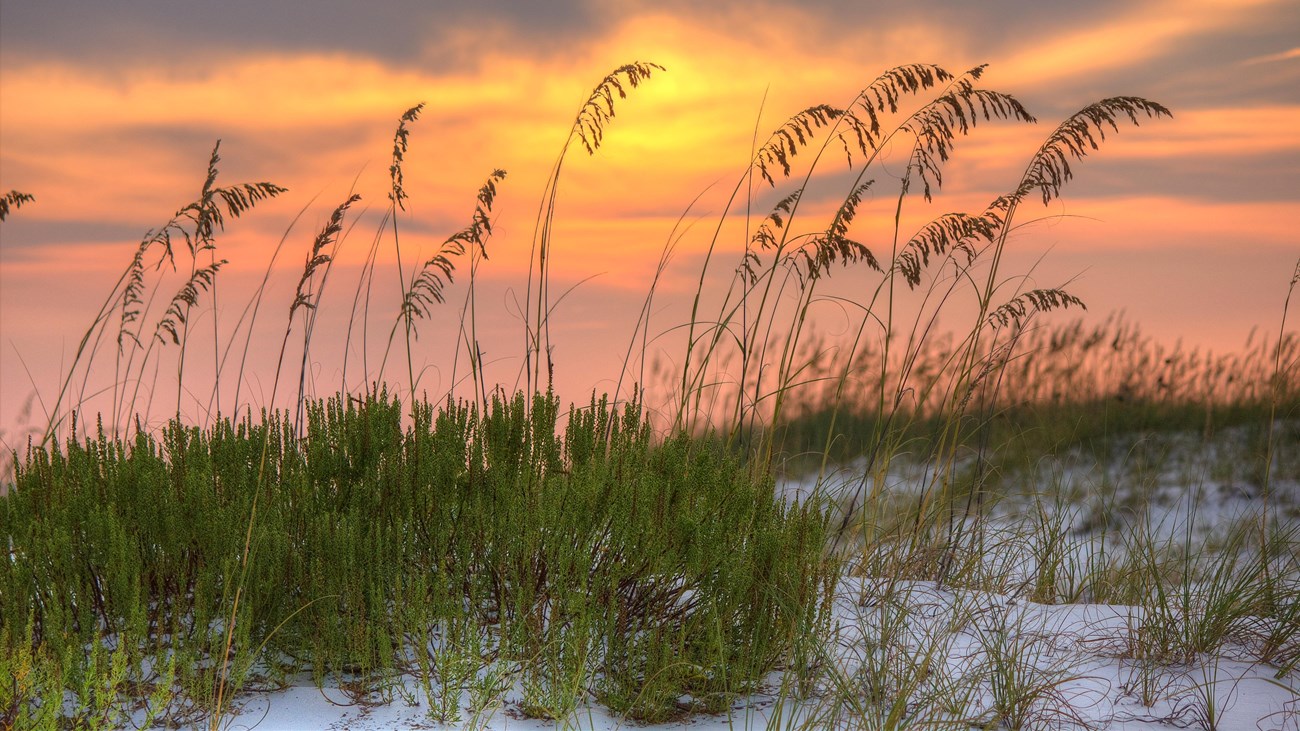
{"x": 108, "y": 113}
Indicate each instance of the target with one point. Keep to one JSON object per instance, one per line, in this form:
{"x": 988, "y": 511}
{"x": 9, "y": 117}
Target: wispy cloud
{"x": 1287, "y": 55}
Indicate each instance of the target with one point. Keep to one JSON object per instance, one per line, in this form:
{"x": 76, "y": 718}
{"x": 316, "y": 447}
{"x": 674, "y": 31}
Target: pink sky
{"x": 108, "y": 113}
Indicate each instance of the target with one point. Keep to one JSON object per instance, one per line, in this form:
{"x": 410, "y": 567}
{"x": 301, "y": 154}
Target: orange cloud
{"x": 1144, "y": 31}
{"x": 1170, "y": 223}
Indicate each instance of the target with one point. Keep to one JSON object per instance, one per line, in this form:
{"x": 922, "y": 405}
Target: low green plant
{"x": 1197, "y": 603}
{"x": 902, "y": 678}
{"x": 31, "y": 684}
{"x": 1208, "y": 700}
{"x": 1027, "y": 685}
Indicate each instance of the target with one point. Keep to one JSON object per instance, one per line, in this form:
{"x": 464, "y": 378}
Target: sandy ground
{"x": 1073, "y": 651}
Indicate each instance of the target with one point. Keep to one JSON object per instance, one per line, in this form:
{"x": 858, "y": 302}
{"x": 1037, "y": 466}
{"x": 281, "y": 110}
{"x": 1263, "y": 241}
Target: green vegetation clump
{"x": 590, "y": 558}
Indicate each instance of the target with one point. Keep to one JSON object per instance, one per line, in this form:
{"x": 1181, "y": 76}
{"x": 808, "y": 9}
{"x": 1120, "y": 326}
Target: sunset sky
{"x": 109, "y": 110}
